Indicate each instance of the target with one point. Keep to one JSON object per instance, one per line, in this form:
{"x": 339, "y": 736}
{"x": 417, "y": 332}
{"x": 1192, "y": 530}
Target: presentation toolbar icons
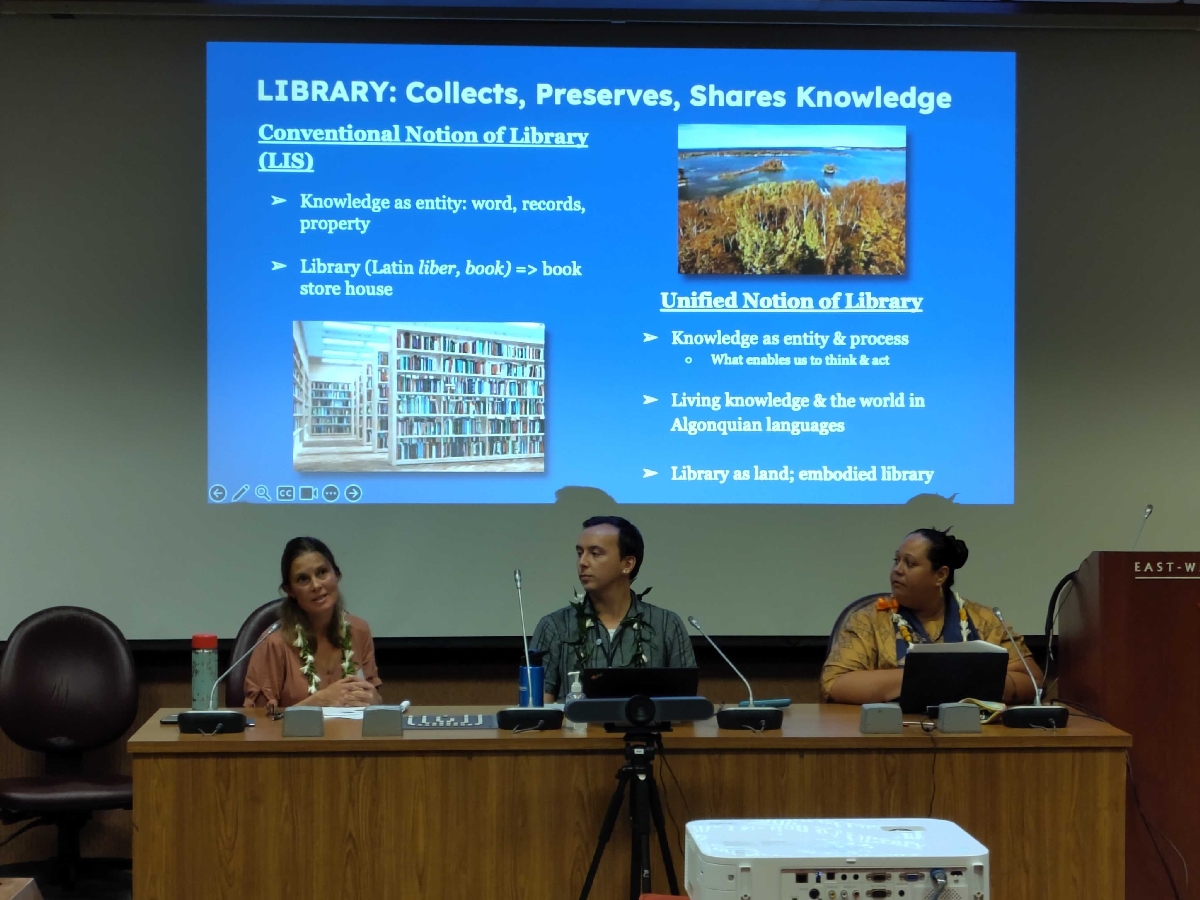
{"x": 286, "y": 493}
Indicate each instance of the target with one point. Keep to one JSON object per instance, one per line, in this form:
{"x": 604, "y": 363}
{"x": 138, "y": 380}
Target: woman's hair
{"x": 944, "y": 550}
{"x": 291, "y": 616}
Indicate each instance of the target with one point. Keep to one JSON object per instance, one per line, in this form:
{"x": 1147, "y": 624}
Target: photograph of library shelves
{"x": 418, "y": 397}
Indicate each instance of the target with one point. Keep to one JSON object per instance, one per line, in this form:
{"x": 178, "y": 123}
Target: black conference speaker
{"x": 212, "y": 721}
{"x": 529, "y": 718}
{"x": 754, "y": 718}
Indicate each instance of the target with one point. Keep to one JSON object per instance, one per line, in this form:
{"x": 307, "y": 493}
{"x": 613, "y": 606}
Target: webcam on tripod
{"x": 639, "y": 711}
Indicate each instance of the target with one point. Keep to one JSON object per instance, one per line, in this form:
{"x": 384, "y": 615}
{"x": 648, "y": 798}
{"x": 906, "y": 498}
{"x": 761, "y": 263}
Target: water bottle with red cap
{"x": 204, "y": 670}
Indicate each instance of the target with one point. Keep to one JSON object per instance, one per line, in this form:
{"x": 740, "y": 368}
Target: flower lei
{"x": 901, "y": 624}
{"x": 308, "y": 660}
{"x": 637, "y": 622}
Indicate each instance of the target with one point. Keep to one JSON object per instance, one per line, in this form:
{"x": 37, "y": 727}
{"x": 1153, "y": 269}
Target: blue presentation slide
{"x": 452, "y": 274}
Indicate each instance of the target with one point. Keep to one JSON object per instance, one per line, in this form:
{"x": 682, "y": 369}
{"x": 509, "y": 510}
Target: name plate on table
{"x": 303, "y": 721}
{"x": 452, "y": 721}
{"x": 383, "y": 721}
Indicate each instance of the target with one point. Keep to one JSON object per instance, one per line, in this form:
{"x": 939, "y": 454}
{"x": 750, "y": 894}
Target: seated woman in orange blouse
{"x": 321, "y": 655}
{"x": 866, "y": 662}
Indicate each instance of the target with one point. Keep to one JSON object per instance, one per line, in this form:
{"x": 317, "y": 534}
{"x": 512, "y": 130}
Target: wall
{"x": 102, "y": 275}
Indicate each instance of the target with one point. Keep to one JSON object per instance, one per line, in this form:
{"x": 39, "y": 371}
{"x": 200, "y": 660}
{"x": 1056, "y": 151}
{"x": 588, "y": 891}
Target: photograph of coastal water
{"x": 792, "y": 199}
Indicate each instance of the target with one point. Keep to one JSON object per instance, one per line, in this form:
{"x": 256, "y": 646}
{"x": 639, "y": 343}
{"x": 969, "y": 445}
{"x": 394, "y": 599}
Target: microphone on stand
{"x": 756, "y": 718}
{"x": 1141, "y": 525}
{"x": 524, "y": 636}
{"x": 1035, "y": 716}
{"x": 535, "y": 717}
{"x": 212, "y": 698}
{"x": 223, "y": 721}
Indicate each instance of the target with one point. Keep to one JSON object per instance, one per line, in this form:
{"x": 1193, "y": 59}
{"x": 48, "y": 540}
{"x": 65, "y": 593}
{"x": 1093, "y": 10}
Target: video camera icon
{"x": 308, "y": 492}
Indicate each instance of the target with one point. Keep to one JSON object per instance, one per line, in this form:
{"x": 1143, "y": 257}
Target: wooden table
{"x": 451, "y": 815}
{"x": 19, "y": 889}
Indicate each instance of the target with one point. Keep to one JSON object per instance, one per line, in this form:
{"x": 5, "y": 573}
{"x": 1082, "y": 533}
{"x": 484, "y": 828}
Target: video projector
{"x": 833, "y": 859}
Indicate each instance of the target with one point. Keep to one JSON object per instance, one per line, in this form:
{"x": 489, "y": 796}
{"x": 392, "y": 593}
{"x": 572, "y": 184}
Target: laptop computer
{"x": 948, "y": 673}
{"x": 653, "y": 682}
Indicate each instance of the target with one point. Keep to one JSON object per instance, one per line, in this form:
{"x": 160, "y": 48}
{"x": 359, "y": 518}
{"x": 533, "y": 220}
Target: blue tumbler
{"x": 530, "y": 677}
{"x": 531, "y": 681}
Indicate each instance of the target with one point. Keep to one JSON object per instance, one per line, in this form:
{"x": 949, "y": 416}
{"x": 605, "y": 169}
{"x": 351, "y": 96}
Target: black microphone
{"x": 212, "y": 697}
{"x": 1035, "y": 716}
{"x": 224, "y": 721}
{"x": 756, "y": 718}
{"x": 1141, "y": 525}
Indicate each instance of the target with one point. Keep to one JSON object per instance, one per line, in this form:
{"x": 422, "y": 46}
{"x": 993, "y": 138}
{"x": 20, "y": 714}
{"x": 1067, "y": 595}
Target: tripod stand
{"x": 638, "y": 776}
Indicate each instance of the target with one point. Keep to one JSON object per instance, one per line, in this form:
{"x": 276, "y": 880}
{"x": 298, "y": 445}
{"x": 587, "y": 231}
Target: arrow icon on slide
{"x": 648, "y": 473}
{"x": 647, "y": 337}
{"x": 275, "y": 201}
{"x": 647, "y": 399}
{"x": 277, "y": 265}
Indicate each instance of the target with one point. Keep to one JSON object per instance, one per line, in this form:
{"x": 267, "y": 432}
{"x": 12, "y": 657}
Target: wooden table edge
{"x": 154, "y": 738}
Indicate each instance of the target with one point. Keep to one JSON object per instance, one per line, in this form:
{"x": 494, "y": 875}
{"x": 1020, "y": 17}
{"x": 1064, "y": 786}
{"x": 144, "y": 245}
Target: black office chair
{"x": 257, "y": 622}
{"x": 860, "y": 603}
{"x": 67, "y": 686}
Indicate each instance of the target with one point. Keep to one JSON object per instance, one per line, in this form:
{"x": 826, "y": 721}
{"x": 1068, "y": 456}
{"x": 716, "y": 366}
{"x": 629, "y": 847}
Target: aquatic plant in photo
{"x": 793, "y": 228}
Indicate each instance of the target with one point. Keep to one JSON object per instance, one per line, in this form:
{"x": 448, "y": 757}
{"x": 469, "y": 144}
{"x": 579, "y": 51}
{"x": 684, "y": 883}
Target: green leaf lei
{"x": 584, "y": 622}
{"x": 308, "y": 661}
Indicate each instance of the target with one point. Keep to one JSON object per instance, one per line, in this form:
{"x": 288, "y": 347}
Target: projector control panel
{"x": 863, "y": 884}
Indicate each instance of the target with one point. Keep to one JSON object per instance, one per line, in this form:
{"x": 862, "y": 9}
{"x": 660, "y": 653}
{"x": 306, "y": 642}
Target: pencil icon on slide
{"x": 241, "y": 492}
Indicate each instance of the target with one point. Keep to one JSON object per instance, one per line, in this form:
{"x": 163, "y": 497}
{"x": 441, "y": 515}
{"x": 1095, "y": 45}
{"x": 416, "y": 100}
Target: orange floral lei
{"x": 886, "y": 604}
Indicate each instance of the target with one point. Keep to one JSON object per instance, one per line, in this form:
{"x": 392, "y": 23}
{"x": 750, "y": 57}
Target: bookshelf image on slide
{"x": 418, "y": 396}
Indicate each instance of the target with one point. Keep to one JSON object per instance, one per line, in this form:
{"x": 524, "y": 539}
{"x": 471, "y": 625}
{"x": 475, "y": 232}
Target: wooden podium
{"x": 1129, "y": 649}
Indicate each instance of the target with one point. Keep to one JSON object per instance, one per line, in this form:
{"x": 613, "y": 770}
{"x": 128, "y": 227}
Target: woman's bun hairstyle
{"x": 957, "y": 550}
{"x": 944, "y": 550}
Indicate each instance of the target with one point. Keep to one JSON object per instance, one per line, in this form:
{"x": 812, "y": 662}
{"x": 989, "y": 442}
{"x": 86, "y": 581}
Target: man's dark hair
{"x": 629, "y": 539}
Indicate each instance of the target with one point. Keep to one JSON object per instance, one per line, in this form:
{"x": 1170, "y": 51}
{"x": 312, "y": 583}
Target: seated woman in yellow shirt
{"x": 866, "y": 662}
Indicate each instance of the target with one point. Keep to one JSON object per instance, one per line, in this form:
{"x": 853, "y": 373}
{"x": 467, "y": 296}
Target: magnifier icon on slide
{"x": 262, "y": 493}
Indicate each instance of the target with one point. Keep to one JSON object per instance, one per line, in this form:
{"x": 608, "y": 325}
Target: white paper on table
{"x": 342, "y": 712}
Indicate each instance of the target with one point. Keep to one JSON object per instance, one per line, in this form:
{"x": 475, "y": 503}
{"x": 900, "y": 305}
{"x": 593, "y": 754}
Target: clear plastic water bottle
{"x": 204, "y": 670}
{"x": 576, "y": 693}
